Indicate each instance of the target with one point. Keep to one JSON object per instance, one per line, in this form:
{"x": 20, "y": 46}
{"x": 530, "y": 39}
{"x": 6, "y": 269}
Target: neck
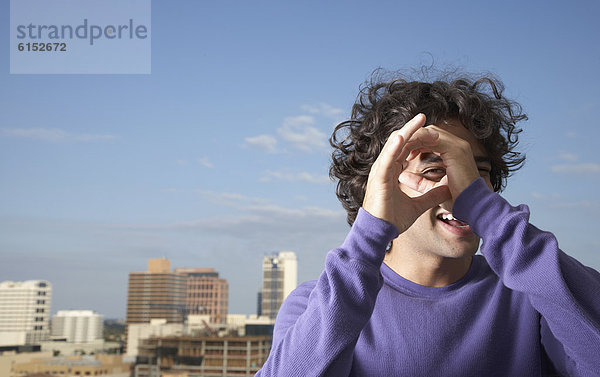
{"x": 426, "y": 269}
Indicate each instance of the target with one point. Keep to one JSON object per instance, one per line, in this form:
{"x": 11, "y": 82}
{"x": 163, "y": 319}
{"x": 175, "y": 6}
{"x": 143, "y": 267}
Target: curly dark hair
{"x": 384, "y": 106}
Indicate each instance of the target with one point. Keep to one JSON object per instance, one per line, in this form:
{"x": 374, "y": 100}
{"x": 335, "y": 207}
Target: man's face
{"x": 434, "y": 232}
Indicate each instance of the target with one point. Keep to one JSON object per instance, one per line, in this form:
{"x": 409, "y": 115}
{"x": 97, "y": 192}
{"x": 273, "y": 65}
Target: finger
{"x": 446, "y": 141}
{"x": 420, "y": 139}
{"x": 414, "y": 131}
{"x": 393, "y": 146}
{"x": 386, "y": 160}
{"x": 412, "y": 155}
{"x": 432, "y": 198}
{"x": 419, "y": 142}
{"x": 416, "y": 182}
{"x": 443, "y": 181}
{"x": 412, "y": 126}
{"x": 408, "y": 129}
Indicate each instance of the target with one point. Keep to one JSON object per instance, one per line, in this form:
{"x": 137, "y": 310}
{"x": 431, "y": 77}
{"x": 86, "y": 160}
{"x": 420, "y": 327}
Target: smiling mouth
{"x": 450, "y": 220}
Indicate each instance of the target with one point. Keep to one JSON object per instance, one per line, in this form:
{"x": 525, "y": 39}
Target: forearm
{"x": 528, "y": 260}
{"x": 316, "y": 335}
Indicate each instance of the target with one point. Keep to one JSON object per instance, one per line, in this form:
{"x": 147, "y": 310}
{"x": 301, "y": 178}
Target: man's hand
{"x": 457, "y": 157}
{"x": 383, "y": 197}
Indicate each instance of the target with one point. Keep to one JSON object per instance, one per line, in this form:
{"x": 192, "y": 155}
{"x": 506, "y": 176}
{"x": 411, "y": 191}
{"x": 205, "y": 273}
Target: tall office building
{"x": 206, "y": 293}
{"x": 259, "y": 303}
{"x": 78, "y": 326}
{"x": 156, "y": 294}
{"x": 280, "y": 278}
{"x": 24, "y": 312}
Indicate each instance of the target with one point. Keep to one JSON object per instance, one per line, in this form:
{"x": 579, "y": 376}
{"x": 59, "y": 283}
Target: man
{"x": 419, "y": 166}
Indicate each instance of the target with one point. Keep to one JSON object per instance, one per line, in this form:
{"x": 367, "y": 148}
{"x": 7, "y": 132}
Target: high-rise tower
{"x": 280, "y": 278}
{"x": 24, "y": 312}
{"x": 156, "y": 294}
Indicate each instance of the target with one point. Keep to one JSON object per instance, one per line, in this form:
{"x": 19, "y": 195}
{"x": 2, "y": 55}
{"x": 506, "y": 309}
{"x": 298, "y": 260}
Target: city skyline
{"x": 220, "y": 157}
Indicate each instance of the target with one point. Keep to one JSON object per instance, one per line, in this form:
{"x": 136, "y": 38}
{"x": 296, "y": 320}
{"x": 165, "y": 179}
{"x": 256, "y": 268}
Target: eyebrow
{"x": 431, "y": 158}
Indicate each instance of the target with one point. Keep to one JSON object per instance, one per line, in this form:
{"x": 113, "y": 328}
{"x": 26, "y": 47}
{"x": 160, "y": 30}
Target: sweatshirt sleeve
{"x": 565, "y": 292}
{"x": 317, "y": 327}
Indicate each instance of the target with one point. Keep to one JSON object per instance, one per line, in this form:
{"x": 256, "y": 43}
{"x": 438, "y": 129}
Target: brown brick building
{"x": 206, "y": 293}
{"x": 156, "y": 294}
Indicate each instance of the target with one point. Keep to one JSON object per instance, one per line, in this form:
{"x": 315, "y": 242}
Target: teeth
{"x": 447, "y": 216}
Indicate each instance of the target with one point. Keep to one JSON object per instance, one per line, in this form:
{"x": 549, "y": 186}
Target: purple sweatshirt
{"x": 524, "y": 308}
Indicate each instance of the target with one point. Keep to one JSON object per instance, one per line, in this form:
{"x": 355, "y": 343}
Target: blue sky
{"x": 220, "y": 156}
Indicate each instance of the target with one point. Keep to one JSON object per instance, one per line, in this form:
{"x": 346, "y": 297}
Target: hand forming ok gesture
{"x": 383, "y": 197}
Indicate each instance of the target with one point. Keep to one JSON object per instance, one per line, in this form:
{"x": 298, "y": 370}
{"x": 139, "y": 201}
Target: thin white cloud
{"x": 55, "y": 135}
{"x": 556, "y": 200}
{"x": 298, "y": 121}
{"x": 584, "y": 107}
{"x": 261, "y": 219}
{"x": 231, "y": 199}
{"x": 323, "y": 109}
{"x": 255, "y": 206}
{"x": 310, "y": 109}
{"x": 274, "y": 210}
{"x": 299, "y": 132}
{"x": 265, "y": 218}
{"x": 566, "y": 156}
{"x": 205, "y": 162}
{"x": 269, "y": 176}
{"x": 578, "y": 205}
{"x": 538, "y": 195}
{"x": 331, "y": 111}
{"x": 589, "y": 168}
{"x": 265, "y": 142}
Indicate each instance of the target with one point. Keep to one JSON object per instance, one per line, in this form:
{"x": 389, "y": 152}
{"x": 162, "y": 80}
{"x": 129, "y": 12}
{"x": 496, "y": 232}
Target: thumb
{"x": 433, "y": 197}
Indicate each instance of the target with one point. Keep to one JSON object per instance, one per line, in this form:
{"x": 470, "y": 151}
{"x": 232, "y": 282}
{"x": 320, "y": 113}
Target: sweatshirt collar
{"x": 403, "y": 285}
